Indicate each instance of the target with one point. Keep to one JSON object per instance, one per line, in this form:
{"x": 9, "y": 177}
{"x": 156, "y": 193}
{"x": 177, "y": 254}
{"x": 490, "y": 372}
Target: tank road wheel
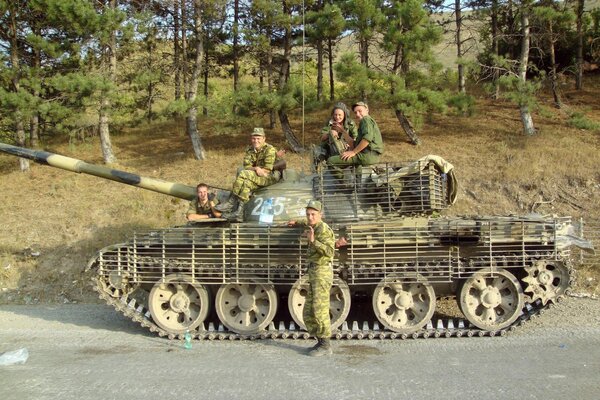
{"x": 401, "y": 306}
{"x": 491, "y": 301}
{"x": 178, "y": 305}
{"x": 547, "y": 280}
{"x": 339, "y": 302}
{"x": 246, "y": 308}
{"x": 117, "y": 284}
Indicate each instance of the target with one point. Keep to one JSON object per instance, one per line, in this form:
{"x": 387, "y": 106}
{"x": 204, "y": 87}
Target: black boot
{"x": 237, "y": 214}
{"x": 228, "y": 205}
{"x": 323, "y": 348}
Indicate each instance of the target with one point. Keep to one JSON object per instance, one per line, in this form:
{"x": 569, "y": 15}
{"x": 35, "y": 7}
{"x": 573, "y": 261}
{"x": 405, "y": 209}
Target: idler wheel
{"x": 403, "y": 307}
{"x": 546, "y": 280}
{"x": 177, "y": 305}
{"x": 339, "y": 302}
{"x": 117, "y": 284}
{"x": 246, "y": 308}
{"x": 491, "y": 300}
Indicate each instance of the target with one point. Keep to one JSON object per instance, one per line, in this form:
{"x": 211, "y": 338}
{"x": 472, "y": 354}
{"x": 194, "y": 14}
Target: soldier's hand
{"x": 261, "y": 172}
{"x": 291, "y": 223}
{"x": 341, "y": 242}
{"x": 338, "y": 128}
{"x": 310, "y": 234}
{"x": 348, "y": 155}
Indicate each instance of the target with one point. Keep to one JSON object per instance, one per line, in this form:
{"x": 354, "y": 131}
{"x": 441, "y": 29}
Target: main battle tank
{"x": 218, "y": 279}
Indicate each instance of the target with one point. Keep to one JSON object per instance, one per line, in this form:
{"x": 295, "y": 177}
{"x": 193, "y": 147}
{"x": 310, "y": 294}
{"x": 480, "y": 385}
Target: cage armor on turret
{"x": 402, "y": 257}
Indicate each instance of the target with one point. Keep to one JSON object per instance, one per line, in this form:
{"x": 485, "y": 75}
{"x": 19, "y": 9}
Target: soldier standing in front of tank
{"x": 257, "y": 171}
{"x": 321, "y": 247}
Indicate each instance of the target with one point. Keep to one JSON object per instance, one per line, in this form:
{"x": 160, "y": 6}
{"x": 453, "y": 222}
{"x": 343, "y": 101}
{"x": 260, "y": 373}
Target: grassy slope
{"x": 67, "y": 217}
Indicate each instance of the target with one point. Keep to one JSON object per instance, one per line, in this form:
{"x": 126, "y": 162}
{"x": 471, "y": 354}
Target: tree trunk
{"x": 526, "y": 119}
{"x": 461, "y": 67}
{"x": 553, "y": 77}
{"x": 34, "y": 122}
{"x": 331, "y": 79}
{"x": 270, "y": 78}
{"x": 290, "y": 137}
{"x": 177, "y": 49}
{"x": 205, "y": 75}
{"x": 236, "y": 66}
{"x": 579, "y": 72}
{"x": 495, "y": 49}
{"x": 408, "y": 128}
{"x": 319, "y": 69}
{"x": 16, "y": 85}
{"x": 284, "y": 75}
{"x": 110, "y": 58}
{"x": 192, "y": 89}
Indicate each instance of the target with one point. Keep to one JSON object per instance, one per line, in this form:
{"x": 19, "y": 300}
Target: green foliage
{"x": 523, "y": 94}
{"x": 580, "y": 121}
{"x": 463, "y": 103}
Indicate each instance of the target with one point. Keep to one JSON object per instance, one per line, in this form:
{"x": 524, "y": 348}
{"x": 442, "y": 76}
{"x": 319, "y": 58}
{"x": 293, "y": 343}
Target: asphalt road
{"x": 90, "y": 352}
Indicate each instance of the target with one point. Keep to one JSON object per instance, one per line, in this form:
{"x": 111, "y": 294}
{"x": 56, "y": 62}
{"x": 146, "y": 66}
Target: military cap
{"x": 315, "y": 205}
{"x": 258, "y": 132}
{"x": 360, "y": 103}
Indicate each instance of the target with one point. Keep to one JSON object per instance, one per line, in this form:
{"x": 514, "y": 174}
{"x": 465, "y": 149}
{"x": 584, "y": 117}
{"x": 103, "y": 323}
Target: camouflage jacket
{"x": 264, "y": 157}
{"x": 321, "y": 251}
{"x": 197, "y": 208}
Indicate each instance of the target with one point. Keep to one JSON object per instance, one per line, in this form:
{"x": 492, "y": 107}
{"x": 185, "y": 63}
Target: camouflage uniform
{"x": 369, "y": 131}
{"x": 247, "y": 181}
{"x": 320, "y": 279}
{"x": 197, "y": 208}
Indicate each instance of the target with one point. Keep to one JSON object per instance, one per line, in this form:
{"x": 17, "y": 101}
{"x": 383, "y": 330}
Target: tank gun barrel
{"x": 74, "y": 165}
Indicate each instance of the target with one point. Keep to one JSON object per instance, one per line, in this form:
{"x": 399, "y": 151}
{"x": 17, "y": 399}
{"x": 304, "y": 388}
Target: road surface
{"x": 91, "y": 352}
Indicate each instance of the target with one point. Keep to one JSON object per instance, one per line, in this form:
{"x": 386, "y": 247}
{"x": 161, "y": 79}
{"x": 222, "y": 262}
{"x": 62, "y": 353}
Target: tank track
{"x": 444, "y": 327}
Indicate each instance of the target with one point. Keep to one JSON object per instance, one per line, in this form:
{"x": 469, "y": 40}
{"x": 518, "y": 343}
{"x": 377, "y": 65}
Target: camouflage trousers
{"x": 316, "y": 307}
{"x": 247, "y": 181}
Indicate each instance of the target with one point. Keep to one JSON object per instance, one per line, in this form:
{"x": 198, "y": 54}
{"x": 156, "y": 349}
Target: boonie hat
{"x": 315, "y": 205}
{"x": 360, "y": 103}
{"x": 258, "y": 132}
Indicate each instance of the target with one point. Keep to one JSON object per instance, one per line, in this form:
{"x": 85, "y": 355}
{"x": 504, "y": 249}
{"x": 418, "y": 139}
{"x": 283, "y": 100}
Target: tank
{"x": 406, "y": 272}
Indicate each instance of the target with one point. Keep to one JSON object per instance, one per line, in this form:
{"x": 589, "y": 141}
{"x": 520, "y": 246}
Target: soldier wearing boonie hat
{"x": 320, "y": 251}
{"x": 257, "y": 171}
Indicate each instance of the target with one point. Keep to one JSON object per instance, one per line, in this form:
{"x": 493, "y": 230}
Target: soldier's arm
{"x": 325, "y": 242}
{"x": 247, "y": 163}
{"x": 269, "y": 160}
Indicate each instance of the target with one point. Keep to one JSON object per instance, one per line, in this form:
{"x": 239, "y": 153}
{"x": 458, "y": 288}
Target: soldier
{"x": 368, "y": 146}
{"x": 257, "y": 172}
{"x": 321, "y": 247}
{"x": 338, "y": 133}
{"x": 203, "y": 206}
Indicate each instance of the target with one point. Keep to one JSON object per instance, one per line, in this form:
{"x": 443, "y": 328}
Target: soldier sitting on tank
{"x": 365, "y": 149}
{"x": 335, "y": 136}
{"x": 257, "y": 171}
{"x": 203, "y": 206}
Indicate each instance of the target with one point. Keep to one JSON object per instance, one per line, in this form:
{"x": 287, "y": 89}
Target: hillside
{"x": 53, "y": 221}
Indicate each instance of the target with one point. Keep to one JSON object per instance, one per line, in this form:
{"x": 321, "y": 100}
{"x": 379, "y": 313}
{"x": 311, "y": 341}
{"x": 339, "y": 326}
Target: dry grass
{"x": 67, "y": 217}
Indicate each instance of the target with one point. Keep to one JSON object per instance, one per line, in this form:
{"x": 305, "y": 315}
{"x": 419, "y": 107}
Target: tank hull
{"x": 402, "y": 267}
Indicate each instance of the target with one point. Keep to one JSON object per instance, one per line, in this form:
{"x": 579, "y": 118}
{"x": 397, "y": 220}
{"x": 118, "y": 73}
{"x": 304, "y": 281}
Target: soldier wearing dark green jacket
{"x": 368, "y": 144}
{"x": 321, "y": 247}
